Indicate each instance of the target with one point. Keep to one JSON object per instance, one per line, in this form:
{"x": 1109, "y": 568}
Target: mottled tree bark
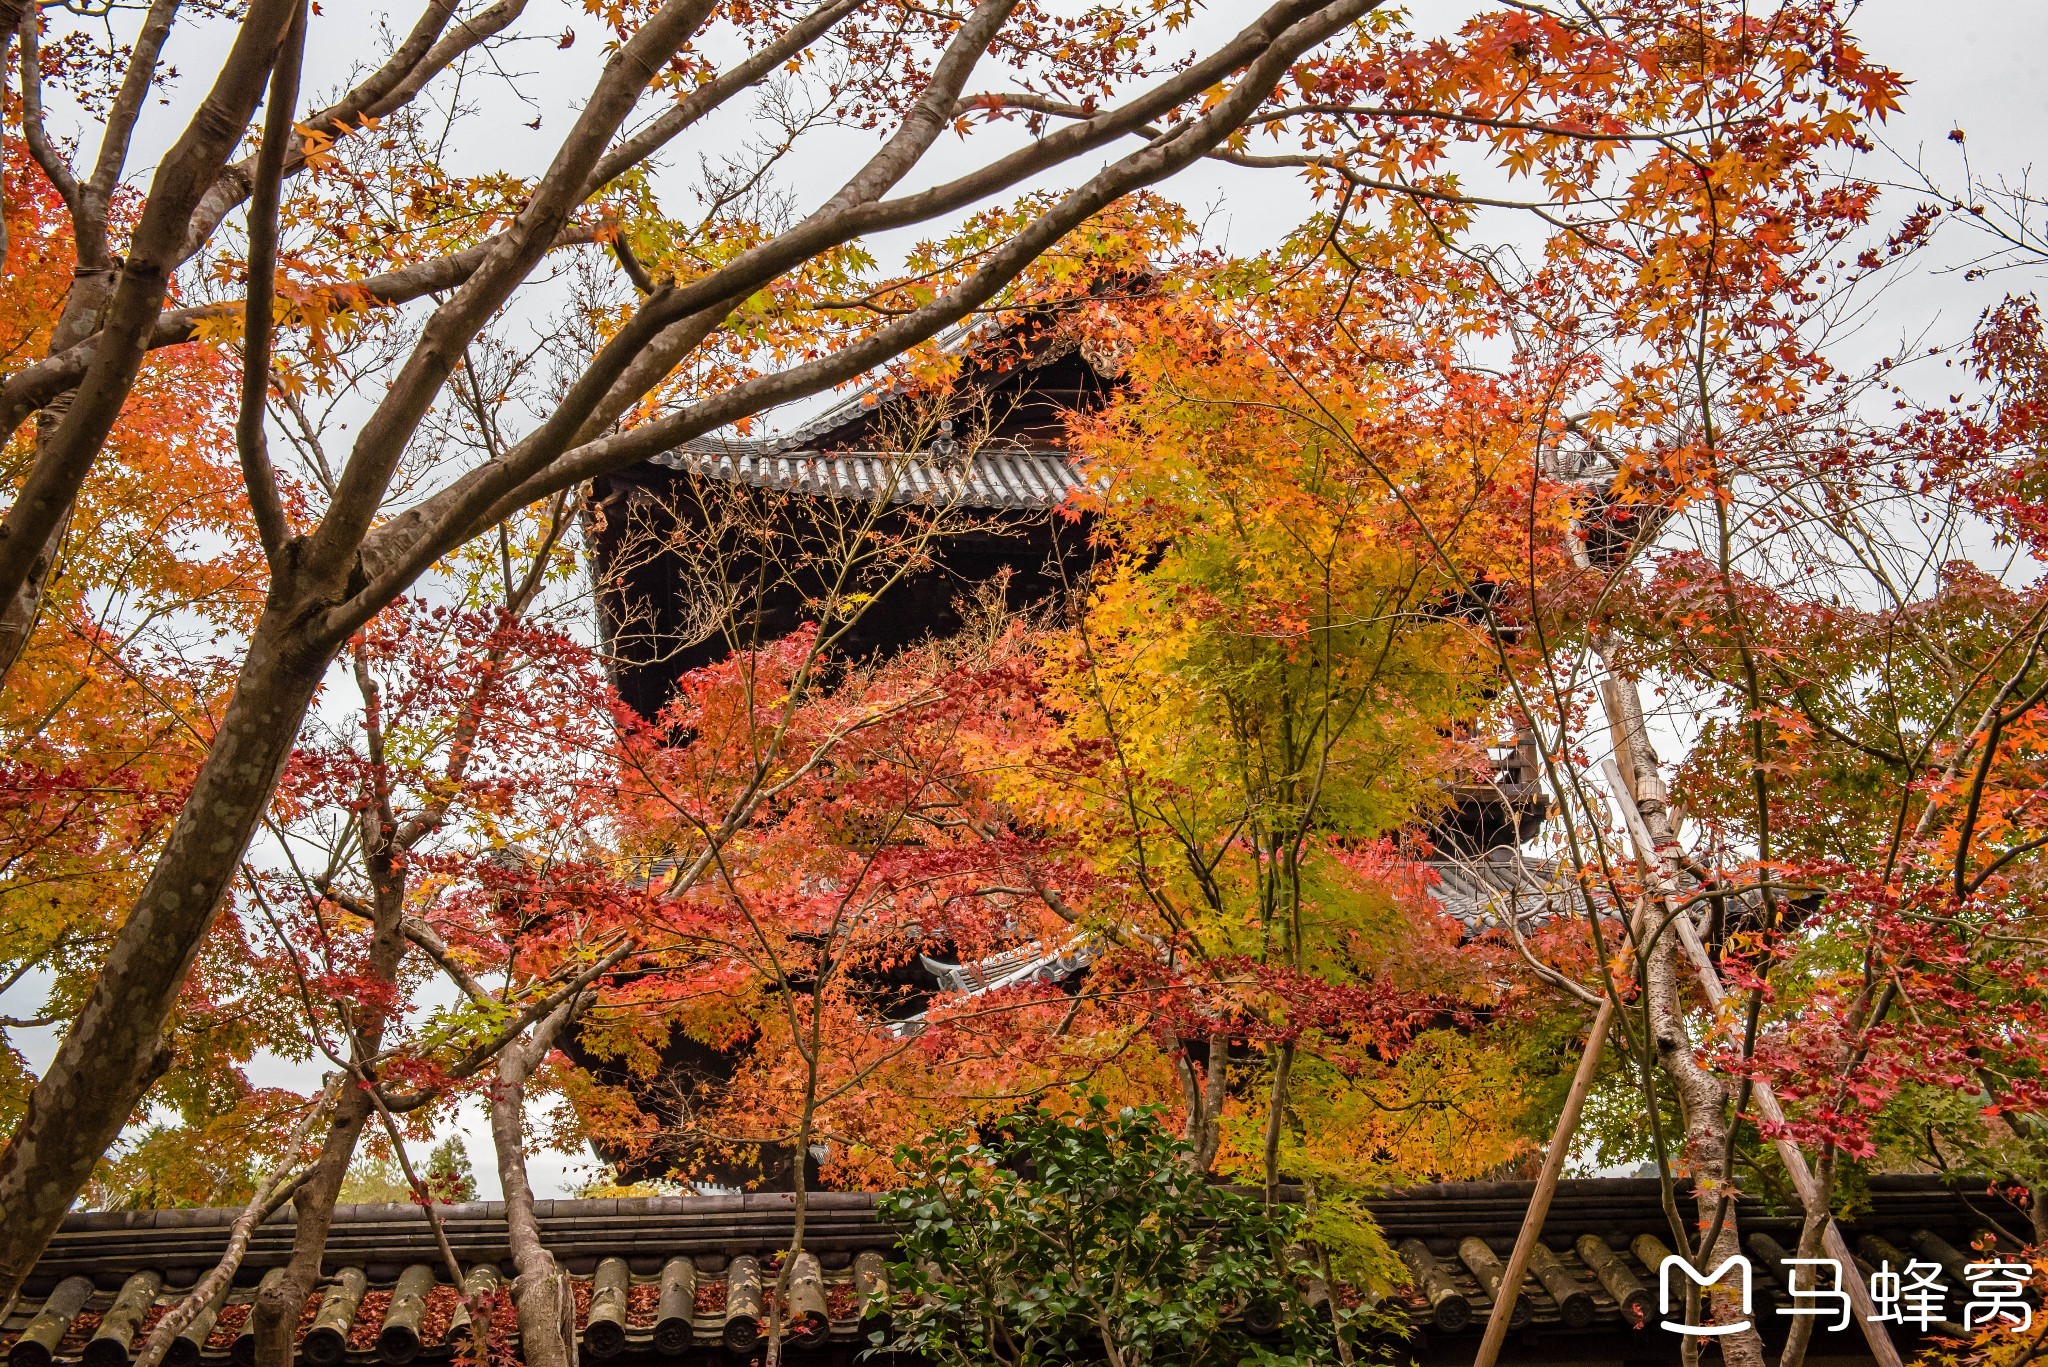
{"x": 1703, "y": 1101}
{"x": 1203, "y": 1092}
{"x": 275, "y": 1317}
{"x": 115, "y": 1048}
{"x": 1813, "y": 1228}
{"x": 547, "y": 1310}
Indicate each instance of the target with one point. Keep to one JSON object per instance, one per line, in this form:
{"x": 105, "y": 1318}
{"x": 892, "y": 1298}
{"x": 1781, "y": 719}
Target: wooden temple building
{"x": 729, "y": 542}
{"x": 712, "y": 547}
{"x": 679, "y": 1280}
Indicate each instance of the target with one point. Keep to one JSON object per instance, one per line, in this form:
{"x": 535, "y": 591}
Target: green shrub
{"x": 1089, "y": 1237}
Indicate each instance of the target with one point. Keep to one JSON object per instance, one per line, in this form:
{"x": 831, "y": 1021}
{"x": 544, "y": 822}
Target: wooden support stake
{"x": 1546, "y": 1186}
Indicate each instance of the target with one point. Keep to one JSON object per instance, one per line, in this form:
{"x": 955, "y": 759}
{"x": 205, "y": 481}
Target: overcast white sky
{"x": 1974, "y": 64}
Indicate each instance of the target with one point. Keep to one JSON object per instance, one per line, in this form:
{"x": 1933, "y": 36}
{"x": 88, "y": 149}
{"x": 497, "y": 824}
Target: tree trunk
{"x": 131, "y": 307}
{"x": 1702, "y": 1098}
{"x": 275, "y": 1317}
{"x": 92, "y": 280}
{"x": 270, "y": 1196}
{"x": 547, "y": 1309}
{"x": 1704, "y": 1103}
{"x": 114, "y": 1050}
{"x": 360, "y": 564}
{"x": 1276, "y": 1118}
{"x": 18, "y": 613}
{"x": 1204, "y": 1095}
{"x": 1812, "y": 1231}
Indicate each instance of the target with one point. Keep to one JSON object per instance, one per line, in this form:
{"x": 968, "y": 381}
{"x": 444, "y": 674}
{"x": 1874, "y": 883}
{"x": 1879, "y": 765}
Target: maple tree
{"x": 436, "y": 823}
{"x": 1271, "y": 685}
{"x": 961, "y": 799}
{"x": 334, "y": 565}
{"x": 1677, "y": 363}
{"x": 1672, "y": 358}
{"x": 1895, "y": 788}
{"x": 110, "y": 716}
{"x": 811, "y": 838}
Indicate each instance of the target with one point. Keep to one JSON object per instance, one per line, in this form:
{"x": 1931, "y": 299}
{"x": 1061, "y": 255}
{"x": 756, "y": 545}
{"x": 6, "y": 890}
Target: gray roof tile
{"x": 992, "y": 478}
{"x": 1432, "y": 1224}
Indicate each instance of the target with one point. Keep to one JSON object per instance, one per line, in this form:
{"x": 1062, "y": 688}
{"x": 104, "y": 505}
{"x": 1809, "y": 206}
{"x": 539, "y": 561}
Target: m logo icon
{"x": 1664, "y": 1279}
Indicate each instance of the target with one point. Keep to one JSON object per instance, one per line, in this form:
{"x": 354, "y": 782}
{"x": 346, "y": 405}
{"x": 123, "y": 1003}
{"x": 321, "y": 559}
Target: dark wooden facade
{"x": 987, "y": 460}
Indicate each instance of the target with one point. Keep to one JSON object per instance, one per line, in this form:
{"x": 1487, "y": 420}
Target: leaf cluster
{"x": 1076, "y": 1234}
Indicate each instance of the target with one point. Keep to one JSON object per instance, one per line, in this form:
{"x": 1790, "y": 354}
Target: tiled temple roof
{"x": 1481, "y": 892}
{"x": 1485, "y": 890}
{"x": 997, "y": 478}
{"x": 679, "y": 1277}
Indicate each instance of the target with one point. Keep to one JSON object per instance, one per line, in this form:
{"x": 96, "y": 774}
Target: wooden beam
{"x": 1546, "y": 1186}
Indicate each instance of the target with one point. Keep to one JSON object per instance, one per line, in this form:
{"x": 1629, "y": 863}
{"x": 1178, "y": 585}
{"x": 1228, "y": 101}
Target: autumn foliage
{"x": 1546, "y": 428}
